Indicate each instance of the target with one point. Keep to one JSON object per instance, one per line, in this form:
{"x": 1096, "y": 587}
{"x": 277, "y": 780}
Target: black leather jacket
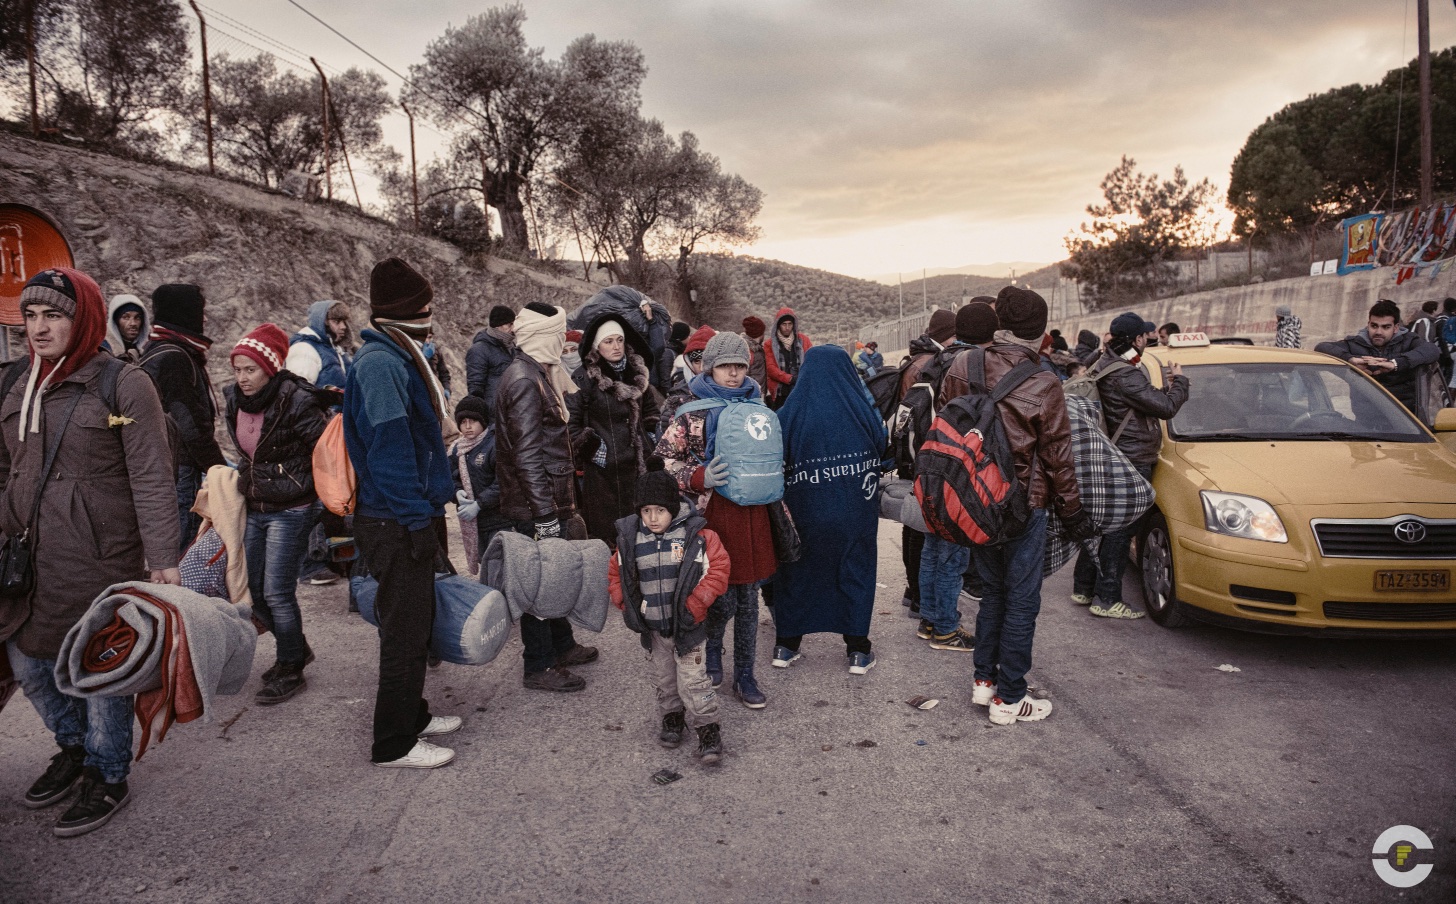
{"x": 1128, "y": 388}
{"x": 279, "y": 475}
{"x": 532, "y": 448}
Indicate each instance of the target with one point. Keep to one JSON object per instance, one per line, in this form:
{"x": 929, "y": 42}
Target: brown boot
{"x": 554, "y": 679}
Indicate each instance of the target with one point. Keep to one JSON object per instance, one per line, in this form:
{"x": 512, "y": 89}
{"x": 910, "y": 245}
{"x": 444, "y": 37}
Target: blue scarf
{"x": 703, "y": 387}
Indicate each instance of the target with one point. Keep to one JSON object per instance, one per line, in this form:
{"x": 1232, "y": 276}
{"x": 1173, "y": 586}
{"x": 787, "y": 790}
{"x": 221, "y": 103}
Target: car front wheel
{"x": 1158, "y": 582}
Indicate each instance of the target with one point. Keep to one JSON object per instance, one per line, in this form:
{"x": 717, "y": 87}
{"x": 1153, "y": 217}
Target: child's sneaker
{"x": 926, "y": 630}
{"x": 746, "y": 690}
{"x": 1027, "y": 709}
{"x": 982, "y": 692}
{"x": 710, "y": 744}
{"x": 784, "y": 657}
{"x": 1116, "y": 610}
{"x": 672, "y": 730}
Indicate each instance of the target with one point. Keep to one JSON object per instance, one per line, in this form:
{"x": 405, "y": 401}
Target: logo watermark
{"x": 1393, "y": 851}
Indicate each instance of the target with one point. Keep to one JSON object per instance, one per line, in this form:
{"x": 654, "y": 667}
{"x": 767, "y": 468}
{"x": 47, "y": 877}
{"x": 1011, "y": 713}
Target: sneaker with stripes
{"x": 1027, "y": 709}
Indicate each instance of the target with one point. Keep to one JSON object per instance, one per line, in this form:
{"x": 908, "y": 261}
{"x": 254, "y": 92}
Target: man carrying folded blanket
{"x": 92, "y": 484}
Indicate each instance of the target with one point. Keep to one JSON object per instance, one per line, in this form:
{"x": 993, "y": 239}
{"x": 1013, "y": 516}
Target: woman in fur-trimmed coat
{"x": 614, "y": 414}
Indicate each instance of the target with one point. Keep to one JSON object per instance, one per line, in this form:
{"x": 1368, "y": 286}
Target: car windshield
{"x": 1287, "y": 401}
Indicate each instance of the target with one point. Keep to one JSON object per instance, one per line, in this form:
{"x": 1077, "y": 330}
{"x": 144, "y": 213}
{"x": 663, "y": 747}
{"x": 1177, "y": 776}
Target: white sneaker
{"x": 1116, "y": 610}
{"x": 1082, "y": 599}
{"x": 1027, "y": 709}
{"x": 423, "y": 755}
{"x": 982, "y": 692}
{"x": 442, "y": 725}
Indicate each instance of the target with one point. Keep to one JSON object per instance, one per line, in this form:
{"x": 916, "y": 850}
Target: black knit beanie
{"x": 976, "y": 323}
{"x": 398, "y": 292}
{"x": 473, "y": 407}
{"x": 500, "y": 315}
{"x": 1021, "y": 311}
{"x": 657, "y": 487}
{"x": 542, "y": 308}
{"x": 179, "y": 306}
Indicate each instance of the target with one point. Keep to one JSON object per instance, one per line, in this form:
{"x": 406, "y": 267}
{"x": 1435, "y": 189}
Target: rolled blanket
{"x": 1113, "y": 493}
{"x": 173, "y": 648}
{"x": 893, "y": 491}
{"x": 472, "y": 622}
{"x": 549, "y": 578}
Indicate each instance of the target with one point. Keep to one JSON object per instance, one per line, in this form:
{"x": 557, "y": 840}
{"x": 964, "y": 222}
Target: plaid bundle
{"x": 1114, "y": 494}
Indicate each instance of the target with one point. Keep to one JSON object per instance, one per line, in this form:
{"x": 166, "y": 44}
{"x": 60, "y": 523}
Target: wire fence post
{"x": 414, "y": 169}
{"x": 332, "y": 113}
{"x": 324, "y": 103}
{"x": 206, "y": 84}
{"x": 1423, "y": 43}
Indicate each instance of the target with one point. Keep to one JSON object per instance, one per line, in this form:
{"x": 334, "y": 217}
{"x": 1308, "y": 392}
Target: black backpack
{"x": 884, "y": 386}
{"x": 965, "y": 474}
{"x": 111, "y": 371}
{"x": 917, "y": 409}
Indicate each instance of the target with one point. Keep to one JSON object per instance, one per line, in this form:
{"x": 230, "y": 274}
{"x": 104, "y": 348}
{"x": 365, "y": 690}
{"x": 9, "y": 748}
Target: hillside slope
{"x": 258, "y": 256}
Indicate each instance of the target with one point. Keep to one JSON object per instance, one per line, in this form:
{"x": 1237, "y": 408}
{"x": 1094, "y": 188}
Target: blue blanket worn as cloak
{"x": 834, "y": 441}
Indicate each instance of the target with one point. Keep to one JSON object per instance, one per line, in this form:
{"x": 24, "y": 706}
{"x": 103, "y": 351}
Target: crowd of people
{"x": 617, "y": 430}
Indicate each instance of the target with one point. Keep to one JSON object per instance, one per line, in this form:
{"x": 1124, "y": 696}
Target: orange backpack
{"x": 333, "y": 473}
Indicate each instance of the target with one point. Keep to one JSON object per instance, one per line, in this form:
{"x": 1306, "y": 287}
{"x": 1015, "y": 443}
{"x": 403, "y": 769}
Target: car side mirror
{"x": 1446, "y": 420}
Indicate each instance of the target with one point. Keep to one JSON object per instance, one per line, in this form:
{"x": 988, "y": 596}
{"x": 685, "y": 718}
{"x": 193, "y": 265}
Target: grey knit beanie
{"x": 725, "y": 348}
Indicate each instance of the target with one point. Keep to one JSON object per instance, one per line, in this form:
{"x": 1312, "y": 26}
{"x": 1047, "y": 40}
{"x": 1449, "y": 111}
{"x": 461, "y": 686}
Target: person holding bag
{"x": 87, "y": 483}
{"x": 275, "y": 418}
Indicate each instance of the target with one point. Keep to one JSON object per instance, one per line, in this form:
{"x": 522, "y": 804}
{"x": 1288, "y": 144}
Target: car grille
{"x": 1410, "y": 612}
{"x": 1378, "y": 540}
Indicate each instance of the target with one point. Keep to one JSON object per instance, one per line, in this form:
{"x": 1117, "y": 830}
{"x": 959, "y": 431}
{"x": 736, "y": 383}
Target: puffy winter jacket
{"x": 783, "y": 366}
{"x": 279, "y": 474}
{"x": 534, "y": 461}
{"x": 697, "y": 586}
{"x": 487, "y": 359}
{"x": 1129, "y": 389}
{"x": 313, "y": 355}
{"x": 1409, "y": 352}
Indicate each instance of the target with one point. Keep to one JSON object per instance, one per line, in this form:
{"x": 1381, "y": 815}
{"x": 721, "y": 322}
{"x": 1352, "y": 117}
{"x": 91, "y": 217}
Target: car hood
{"x": 1327, "y": 473}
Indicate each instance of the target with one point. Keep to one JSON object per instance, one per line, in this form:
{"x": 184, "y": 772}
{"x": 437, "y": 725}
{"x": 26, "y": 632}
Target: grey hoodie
{"x": 114, "y": 343}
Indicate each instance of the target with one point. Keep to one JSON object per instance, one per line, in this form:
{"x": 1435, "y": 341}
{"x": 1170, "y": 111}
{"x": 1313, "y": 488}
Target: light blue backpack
{"x": 752, "y": 445}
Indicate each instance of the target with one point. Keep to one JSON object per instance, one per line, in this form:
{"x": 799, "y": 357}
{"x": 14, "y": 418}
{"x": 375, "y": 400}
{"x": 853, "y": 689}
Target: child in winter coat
{"x": 477, "y": 494}
{"x": 670, "y": 568}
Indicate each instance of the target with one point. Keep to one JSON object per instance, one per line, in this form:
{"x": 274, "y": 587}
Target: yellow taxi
{"x": 1296, "y": 496}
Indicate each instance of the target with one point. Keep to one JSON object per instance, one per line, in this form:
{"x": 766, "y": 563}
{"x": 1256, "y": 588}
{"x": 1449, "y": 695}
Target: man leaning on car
{"x": 1128, "y": 395}
{"x": 1389, "y": 352}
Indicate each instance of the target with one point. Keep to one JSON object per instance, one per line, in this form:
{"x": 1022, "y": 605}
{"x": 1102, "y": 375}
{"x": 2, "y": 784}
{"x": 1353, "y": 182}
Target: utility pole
{"x": 902, "y": 295}
{"x": 331, "y": 113}
{"x": 924, "y": 291}
{"x": 1423, "y": 38}
{"x": 206, "y": 84}
{"x": 324, "y": 95}
{"x": 30, "y": 64}
{"x": 414, "y": 170}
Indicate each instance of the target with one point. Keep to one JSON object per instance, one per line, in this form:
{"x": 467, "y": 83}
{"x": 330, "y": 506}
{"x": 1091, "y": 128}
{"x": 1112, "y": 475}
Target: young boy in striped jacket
{"x": 667, "y": 570}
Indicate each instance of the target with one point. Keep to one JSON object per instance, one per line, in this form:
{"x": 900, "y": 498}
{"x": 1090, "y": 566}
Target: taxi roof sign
{"x": 1188, "y": 340}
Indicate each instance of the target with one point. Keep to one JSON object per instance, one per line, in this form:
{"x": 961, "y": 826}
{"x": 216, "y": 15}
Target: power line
{"x": 298, "y": 54}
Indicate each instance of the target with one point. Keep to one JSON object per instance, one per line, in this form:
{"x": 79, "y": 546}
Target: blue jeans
{"x": 273, "y": 542}
{"x": 1103, "y": 577}
{"x": 189, "y": 481}
{"x": 1010, "y": 601}
{"x": 100, "y": 724}
{"x": 942, "y": 565}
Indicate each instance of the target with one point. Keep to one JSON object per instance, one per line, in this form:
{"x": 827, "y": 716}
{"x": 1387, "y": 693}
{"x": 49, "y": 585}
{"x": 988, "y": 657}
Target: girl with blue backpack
{"x": 709, "y": 448}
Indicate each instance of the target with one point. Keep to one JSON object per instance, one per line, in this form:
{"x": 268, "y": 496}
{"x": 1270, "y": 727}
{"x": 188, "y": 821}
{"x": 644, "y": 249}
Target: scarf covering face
{"x": 703, "y": 387}
{"x": 410, "y": 336}
{"x": 462, "y": 449}
{"x": 543, "y": 338}
{"x": 88, "y": 329}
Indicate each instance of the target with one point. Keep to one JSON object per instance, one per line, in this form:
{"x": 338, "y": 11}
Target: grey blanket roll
{"x": 549, "y": 578}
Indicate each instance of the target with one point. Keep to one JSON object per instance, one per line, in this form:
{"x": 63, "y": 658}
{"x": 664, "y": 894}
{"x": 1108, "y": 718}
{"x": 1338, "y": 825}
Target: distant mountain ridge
{"x": 1001, "y": 270}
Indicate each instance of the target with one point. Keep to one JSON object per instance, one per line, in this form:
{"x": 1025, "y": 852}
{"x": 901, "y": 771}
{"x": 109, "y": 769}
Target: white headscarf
{"x": 542, "y": 338}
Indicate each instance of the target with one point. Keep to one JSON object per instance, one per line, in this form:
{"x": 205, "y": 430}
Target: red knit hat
{"x": 267, "y": 345}
{"x": 699, "y": 340}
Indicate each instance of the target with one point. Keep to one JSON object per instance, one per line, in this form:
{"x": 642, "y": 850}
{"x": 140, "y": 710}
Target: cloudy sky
{"x": 890, "y": 136}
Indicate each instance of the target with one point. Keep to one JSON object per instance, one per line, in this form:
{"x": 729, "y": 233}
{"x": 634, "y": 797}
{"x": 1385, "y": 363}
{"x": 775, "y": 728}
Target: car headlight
{"x": 1242, "y": 516}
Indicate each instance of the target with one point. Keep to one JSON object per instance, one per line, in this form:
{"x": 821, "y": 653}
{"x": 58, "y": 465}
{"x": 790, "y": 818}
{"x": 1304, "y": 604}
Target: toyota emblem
{"x": 1410, "y": 532}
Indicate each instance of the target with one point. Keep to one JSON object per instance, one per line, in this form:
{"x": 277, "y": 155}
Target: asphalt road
{"x": 1157, "y": 778}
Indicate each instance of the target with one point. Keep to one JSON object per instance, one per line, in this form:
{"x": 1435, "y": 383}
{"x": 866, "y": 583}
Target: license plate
{"x": 1413, "y": 580}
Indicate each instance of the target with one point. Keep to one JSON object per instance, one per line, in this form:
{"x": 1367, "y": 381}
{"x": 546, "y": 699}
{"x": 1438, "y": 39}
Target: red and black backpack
{"x": 965, "y": 476}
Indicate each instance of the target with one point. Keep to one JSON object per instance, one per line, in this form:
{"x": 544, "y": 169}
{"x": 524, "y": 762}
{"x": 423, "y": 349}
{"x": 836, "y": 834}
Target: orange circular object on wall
{"x": 29, "y": 243}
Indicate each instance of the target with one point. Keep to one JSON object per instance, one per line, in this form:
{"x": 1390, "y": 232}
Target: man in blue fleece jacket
{"x": 392, "y": 418}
